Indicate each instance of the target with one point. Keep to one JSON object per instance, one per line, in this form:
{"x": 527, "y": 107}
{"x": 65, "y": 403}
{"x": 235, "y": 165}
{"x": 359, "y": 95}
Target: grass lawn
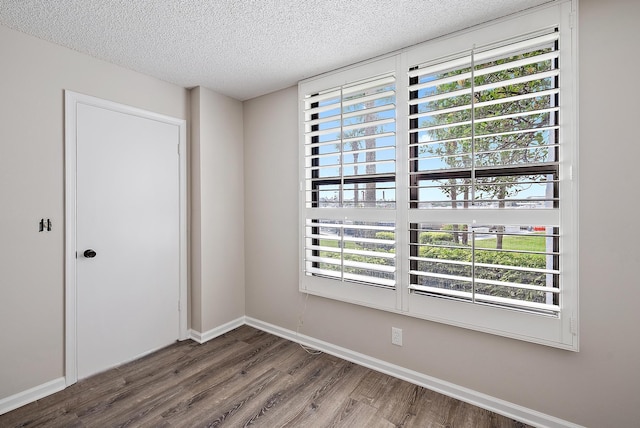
{"x": 524, "y": 242}
{"x": 332, "y": 243}
{"x": 532, "y": 242}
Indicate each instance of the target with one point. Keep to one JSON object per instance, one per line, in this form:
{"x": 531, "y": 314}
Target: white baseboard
{"x": 30, "y": 395}
{"x": 215, "y": 332}
{"x": 493, "y": 404}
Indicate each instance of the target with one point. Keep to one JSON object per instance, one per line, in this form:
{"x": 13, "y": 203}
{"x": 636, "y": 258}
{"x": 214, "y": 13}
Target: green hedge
{"x": 496, "y": 274}
{"x": 435, "y": 237}
{"x": 464, "y": 254}
{"x": 386, "y": 235}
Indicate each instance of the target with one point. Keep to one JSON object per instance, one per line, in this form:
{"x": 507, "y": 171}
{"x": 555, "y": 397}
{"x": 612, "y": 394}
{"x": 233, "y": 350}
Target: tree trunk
{"x": 370, "y": 192}
{"x": 500, "y": 229}
{"x": 370, "y": 157}
{"x": 454, "y": 205}
{"x": 356, "y": 196}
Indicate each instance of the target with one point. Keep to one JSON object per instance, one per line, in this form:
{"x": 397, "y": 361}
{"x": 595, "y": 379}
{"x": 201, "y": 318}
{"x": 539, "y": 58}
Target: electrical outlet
{"x": 396, "y": 336}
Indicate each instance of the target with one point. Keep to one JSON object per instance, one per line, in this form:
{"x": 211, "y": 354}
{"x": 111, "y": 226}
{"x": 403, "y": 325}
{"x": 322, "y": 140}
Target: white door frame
{"x": 72, "y": 99}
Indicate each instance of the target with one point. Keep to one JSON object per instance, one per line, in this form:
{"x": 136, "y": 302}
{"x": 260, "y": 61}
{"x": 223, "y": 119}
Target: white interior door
{"x": 128, "y": 214}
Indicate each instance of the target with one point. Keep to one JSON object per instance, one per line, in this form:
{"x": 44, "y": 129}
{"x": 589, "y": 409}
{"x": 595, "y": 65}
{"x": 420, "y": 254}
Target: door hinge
{"x": 572, "y": 20}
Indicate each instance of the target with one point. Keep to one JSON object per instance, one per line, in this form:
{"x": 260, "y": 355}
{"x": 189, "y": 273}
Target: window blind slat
{"x": 364, "y": 163}
{"x": 368, "y": 98}
{"x": 517, "y": 81}
{"x": 487, "y": 265}
{"x": 379, "y": 135}
{"x": 310, "y": 112}
{"x": 546, "y": 93}
{"x": 389, "y": 283}
{"x": 446, "y": 140}
{"x": 518, "y": 63}
{"x": 370, "y": 227}
{"x": 439, "y": 97}
{"x": 324, "y": 272}
{"x": 349, "y": 152}
{"x": 450, "y": 64}
{"x": 443, "y": 81}
{"x": 371, "y": 124}
{"x": 510, "y": 49}
{"x": 318, "y": 133}
{"x": 369, "y": 111}
{"x": 370, "y": 266}
{"x": 323, "y": 248}
{"x": 370, "y": 240}
{"x": 444, "y": 126}
{"x": 379, "y": 82}
{"x": 370, "y": 253}
{"x": 325, "y": 95}
{"x": 337, "y": 117}
{"x": 331, "y": 143}
{"x": 325, "y": 260}
{"x": 517, "y": 285}
{"x": 518, "y": 114}
{"x": 519, "y": 132}
{"x": 440, "y": 112}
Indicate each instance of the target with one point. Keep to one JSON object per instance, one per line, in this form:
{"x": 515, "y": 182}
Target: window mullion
{"x": 402, "y": 183}
{"x": 473, "y": 131}
{"x": 341, "y": 196}
{"x": 473, "y": 266}
{"x": 342, "y": 183}
{"x": 342, "y": 252}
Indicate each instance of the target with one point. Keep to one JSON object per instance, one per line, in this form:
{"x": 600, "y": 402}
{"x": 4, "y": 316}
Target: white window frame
{"x": 558, "y": 331}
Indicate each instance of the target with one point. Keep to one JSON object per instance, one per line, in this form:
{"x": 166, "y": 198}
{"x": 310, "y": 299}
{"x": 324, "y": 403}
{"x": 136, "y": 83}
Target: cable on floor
{"x": 307, "y": 349}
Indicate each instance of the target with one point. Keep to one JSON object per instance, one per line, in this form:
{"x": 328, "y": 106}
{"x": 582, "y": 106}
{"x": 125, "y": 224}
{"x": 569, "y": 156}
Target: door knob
{"x": 89, "y": 253}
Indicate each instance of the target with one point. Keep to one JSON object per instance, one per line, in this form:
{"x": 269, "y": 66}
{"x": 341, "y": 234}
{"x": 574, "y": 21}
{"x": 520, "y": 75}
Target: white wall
{"x": 217, "y": 210}
{"x": 33, "y": 76}
{"x": 596, "y": 387}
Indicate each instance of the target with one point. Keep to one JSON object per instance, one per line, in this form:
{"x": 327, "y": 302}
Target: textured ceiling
{"x": 244, "y": 48}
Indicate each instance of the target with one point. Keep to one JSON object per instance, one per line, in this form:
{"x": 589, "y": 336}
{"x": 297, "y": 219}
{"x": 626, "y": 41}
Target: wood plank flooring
{"x": 247, "y": 378}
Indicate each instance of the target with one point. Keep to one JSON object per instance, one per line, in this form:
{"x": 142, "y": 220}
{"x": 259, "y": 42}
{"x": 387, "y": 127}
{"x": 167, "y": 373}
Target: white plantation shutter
{"x": 485, "y": 122}
{"x": 349, "y": 145}
{"x": 484, "y": 135}
{"x": 351, "y": 251}
{"x": 349, "y": 166}
{"x": 524, "y": 277}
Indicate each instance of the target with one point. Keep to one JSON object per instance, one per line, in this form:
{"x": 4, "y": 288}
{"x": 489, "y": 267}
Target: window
{"x": 349, "y": 169}
{"x": 438, "y": 182}
{"x": 483, "y": 134}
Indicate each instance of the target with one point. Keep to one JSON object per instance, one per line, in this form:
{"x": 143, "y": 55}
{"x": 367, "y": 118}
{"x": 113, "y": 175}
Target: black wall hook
{"x": 44, "y": 225}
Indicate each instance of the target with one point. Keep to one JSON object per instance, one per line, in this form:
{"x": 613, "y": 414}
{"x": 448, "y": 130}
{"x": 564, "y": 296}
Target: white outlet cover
{"x": 396, "y": 336}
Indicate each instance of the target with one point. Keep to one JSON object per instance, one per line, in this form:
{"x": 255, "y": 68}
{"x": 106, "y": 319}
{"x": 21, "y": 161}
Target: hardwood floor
{"x": 247, "y": 378}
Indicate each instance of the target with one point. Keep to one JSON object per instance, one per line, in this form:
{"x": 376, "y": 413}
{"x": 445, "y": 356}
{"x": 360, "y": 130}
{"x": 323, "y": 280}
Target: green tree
{"x": 496, "y": 114}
